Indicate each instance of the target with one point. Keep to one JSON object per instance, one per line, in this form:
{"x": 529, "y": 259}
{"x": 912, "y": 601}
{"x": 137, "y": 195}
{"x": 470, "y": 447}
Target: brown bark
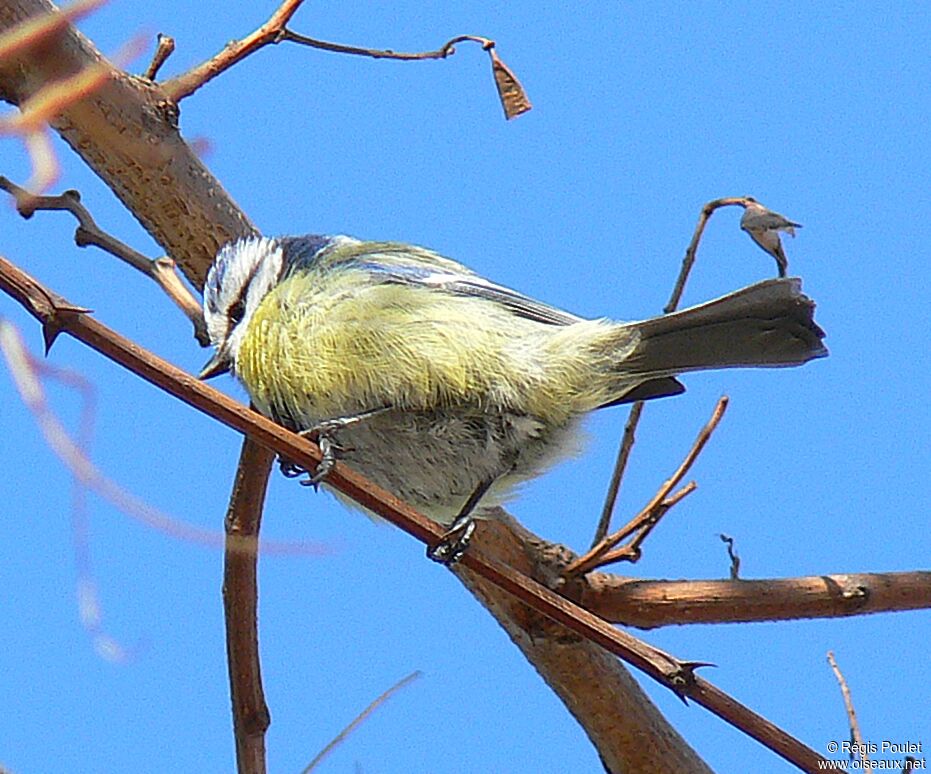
{"x": 128, "y": 134}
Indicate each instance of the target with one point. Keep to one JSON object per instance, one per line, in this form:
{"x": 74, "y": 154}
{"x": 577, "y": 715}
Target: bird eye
{"x": 237, "y": 311}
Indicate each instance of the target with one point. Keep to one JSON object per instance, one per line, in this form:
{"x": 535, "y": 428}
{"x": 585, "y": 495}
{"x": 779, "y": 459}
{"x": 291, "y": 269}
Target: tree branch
{"x": 513, "y": 98}
{"x": 652, "y": 512}
{"x": 855, "y": 736}
{"x": 162, "y": 270}
{"x": 240, "y": 606}
{"x": 636, "y": 410}
{"x": 651, "y": 603}
{"x": 128, "y": 134}
{"x": 235, "y": 51}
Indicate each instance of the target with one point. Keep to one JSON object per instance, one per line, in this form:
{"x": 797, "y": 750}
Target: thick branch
{"x": 127, "y": 133}
{"x": 595, "y": 686}
{"x": 652, "y": 603}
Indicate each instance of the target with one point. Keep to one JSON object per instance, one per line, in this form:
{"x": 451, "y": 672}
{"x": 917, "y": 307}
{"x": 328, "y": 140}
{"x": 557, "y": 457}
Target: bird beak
{"x": 219, "y": 364}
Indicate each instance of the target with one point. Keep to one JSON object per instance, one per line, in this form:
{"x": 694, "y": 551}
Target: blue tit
{"x": 448, "y": 389}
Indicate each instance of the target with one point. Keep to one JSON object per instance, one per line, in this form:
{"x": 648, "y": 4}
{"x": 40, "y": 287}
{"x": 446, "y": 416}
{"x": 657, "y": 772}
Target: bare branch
{"x": 636, "y": 410}
{"x": 28, "y": 375}
{"x": 164, "y": 48}
{"x": 513, "y": 97}
{"x": 31, "y": 124}
{"x": 40, "y": 29}
{"x": 240, "y": 606}
{"x": 633, "y": 551}
{"x": 25, "y": 371}
{"x": 652, "y": 603}
{"x": 652, "y": 511}
{"x": 629, "y": 732}
{"x": 185, "y": 85}
{"x": 690, "y": 252}
{"x": 855, "y": 736}
{"x": 141, "y": 156}
{"x": 620, "y": 466}
{"x": 161, "y": 270}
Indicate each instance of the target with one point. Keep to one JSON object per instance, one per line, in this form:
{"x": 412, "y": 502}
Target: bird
{"x": 445, "y": 388}
{"x": 763, "y": 225}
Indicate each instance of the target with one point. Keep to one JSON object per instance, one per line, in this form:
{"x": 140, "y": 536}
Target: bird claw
{"x": 324, "y": 434}
{"x": 454, "y": 543}
{"x": 290, "y": 469}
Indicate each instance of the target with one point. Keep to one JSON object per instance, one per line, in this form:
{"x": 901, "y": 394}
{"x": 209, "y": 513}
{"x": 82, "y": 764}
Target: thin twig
{"x": 690, "y": 252}
{"x": 598, "y": 555}
{"x": 632, "y": 551}
{"x": 641, "y": 526}
{"x": 620, "y": 466}
{"x": 186, "y": 84}
{"x": 676, "y": 674}
{"x": 342, "y": 735}
{"x": 855, "y": 736}
{"x": 31, "y": 123}
{"x": 161, "y": 270}
{"x": 40, "y": 29}
{"x": 633, "y": 418}
{"x": 90, "y": 609}
{"x": 512, "y": 95}
{"x": 444, "y": 51}
{"x": 164, "y": 48}
{"x": 25, "y": 370}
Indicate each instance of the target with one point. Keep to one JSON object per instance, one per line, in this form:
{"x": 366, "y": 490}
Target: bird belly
{"x": 436, "y": 460}
{"x": 469, "y": 399}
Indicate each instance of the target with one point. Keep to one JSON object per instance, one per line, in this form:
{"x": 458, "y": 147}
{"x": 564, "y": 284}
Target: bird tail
{"x": 769, "y": 324}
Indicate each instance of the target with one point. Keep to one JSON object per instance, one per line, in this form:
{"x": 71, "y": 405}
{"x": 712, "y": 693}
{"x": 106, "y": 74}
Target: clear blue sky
{"x": 643, "y": 112}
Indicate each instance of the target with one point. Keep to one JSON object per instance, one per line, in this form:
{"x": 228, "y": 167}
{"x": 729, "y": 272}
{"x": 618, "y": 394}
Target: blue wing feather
{"x": 409, "y": 265}
{"x": 469, "y": 285}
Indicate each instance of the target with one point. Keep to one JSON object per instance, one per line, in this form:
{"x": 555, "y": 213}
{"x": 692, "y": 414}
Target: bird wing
{"x": 469, "y": 285}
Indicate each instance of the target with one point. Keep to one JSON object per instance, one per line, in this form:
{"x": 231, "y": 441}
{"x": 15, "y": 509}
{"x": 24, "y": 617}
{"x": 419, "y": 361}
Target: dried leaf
{"x": 513, "y": 98}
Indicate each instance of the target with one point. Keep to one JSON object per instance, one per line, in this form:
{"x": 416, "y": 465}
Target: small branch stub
{"x": 163, "y": 49}
{"x": 732, "y": 555}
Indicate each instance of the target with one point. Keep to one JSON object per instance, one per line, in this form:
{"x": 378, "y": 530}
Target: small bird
{"x": 448, "y": 389}
{"x": 763, "y": 226}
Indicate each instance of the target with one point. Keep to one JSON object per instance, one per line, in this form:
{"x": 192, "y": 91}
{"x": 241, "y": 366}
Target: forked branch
{"x": 652, "y": 512}
{"x": 161, "y": 270}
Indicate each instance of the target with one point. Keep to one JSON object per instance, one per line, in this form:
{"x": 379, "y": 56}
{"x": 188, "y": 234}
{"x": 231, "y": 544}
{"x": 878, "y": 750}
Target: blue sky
{"x": 642, "y": 112}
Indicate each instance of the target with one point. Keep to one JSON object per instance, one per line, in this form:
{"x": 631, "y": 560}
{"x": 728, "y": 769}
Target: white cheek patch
{"x": 248, "y": 268}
